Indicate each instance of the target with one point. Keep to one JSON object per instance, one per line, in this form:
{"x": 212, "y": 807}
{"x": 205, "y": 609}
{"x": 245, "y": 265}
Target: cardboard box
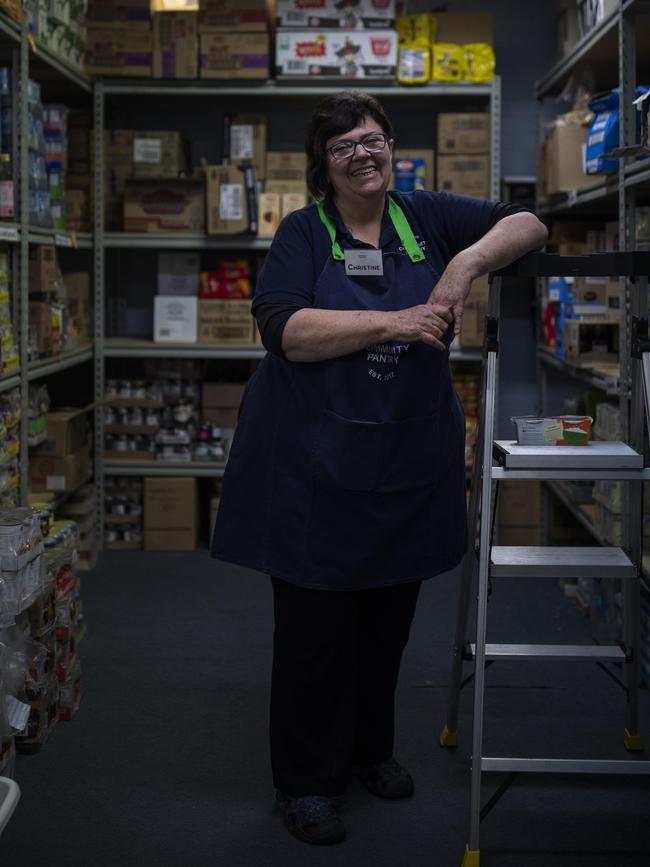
{"x": 589, "y": 290}
{"x": 360, "y": 54}
{"x": 269, "y": 215}
{"x": 170, "y": 514}
{"x": 282, "y": 188}
{"x": 158, "y": 155}
{"x": 220, "y": 403}
{"x": 462, "y": 28}
{"x": 78, "y": 308}
{"x": 292, "y": 202}
{"x": 567, "y": 29}
{"x": 225, "y": 321}
{"x": 42, "y": 269}
{"x": 234, "y": 55}
{"x": 164, "y": 206}
{"x": 119, "y": 51}
{"x": 328, "y": 14}
{"x": 174, "y": 319}
{"x": 248, "y": 142}
{"x": 519, "y": 536}
{"x": 424, "y": 154}
{"x": 286, "y": 166}
{"x": 564, "y": 155}
{"x": 591, "y": 343}
{"x": 227, "y": 204}
{"x": 472, "y": 329}
{"x": 519, "y": 504}
{"x": 59, "y": 474}
{"x": 66, "y": 432}
{"x": 464, "y": 133}
{"x": 77, "y": 210}
{"x": 107, "y": 13}
{"x": 178, "y": 273}
{"x": 464, "y": 174}
{"x": 45, "y": 327}
{"x": 175, "y": 45}
{"x": 229, "y": 16}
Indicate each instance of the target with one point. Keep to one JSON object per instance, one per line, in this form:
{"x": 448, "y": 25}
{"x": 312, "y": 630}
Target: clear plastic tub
{"x": 557, "y": 430}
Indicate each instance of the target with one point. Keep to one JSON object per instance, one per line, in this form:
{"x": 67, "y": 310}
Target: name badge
{"x": 364, "y": 263}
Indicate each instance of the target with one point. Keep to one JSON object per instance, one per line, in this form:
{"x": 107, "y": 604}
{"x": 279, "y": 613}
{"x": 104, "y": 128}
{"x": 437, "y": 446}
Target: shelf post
{"x": 99, "y": 302}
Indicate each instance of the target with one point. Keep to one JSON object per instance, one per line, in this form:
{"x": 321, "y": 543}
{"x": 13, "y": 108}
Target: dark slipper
{"x": 311, "y": 819}
{"x": 386, "y": 779}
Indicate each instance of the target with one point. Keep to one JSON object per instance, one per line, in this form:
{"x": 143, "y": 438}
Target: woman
{"x": 346, "y": 477}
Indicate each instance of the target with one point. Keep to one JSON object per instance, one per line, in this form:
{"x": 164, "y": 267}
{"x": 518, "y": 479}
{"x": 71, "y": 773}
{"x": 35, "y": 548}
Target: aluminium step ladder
{"x": 499, "y": 460}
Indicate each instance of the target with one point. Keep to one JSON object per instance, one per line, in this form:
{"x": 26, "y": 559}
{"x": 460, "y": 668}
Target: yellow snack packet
{"x": 480, "y": 61}
{"x": 414, "y": 64}
{"x": 448, "y": 62}
{"x": 424, "y": 28}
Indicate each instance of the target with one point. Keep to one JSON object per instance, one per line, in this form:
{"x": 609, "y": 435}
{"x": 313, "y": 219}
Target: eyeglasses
{"x": 371, "y": 143}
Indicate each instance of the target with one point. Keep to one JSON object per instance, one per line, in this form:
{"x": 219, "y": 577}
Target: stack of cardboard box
{"x": 234, "y": 39}
{"x": 175, "y": 45}
{"x": 519, "y": 513}
{"x": 463, "y": 160}
{"x": 61, "y": 463}
{"x": 78, "y": 180}
{"x": 119, "y": 38}
{"x": 285, "y": 189}
{"x": 170, "y": 514}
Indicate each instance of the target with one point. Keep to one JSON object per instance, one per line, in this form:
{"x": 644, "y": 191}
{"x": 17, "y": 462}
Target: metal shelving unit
{"x": 614, "y": 51}
{"x": 29, "y": 60}
{"x": 271, "y": 93}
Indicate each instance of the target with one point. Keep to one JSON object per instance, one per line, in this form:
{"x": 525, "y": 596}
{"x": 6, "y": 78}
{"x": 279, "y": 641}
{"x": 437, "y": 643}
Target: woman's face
{"x": 361, "y": 174}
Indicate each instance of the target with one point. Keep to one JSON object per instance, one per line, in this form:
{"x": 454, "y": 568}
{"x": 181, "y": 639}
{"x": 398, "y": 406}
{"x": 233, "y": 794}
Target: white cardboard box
{"x": 365, "y": 15}
{"x": 175, "y": 319}
{"x": 178, "y": 273}
{"x": 348, "y": 54}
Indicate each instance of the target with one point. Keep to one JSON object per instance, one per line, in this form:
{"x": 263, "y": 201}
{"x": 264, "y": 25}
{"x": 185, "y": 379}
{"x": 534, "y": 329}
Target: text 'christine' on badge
{"x": 364, "y": 263}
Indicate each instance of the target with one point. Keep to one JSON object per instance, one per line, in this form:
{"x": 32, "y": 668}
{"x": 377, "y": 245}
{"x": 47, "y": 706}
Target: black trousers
{"x": 336, "y": 659}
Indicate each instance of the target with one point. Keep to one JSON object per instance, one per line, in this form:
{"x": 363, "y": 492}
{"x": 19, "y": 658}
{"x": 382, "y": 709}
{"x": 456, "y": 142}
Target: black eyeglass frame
{"x": 358, "y": 141}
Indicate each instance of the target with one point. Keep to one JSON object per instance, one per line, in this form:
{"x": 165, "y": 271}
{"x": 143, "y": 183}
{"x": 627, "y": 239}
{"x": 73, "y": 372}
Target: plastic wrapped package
{"x": 449, "y": 62}
{"x": 480, "y": 62}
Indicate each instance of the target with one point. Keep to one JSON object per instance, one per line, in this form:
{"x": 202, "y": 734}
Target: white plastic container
{"x": 9, "y": 797}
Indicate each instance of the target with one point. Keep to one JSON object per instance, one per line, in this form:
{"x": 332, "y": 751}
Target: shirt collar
{"x": 388, "y": 231}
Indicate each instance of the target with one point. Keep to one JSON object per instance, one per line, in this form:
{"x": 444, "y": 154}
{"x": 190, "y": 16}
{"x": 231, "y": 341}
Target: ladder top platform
{"x": 597, "y": 455}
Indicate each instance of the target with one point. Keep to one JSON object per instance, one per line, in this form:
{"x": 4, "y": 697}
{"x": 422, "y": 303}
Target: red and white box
{"x": 340, "y": 54}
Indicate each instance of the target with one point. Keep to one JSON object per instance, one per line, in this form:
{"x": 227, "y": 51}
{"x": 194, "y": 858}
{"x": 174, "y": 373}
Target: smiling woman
{"x": 346, "y": 477}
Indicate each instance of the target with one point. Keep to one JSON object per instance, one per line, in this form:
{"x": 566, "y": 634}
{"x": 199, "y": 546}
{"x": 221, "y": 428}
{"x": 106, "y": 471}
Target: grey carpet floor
{"x": 166, "y": 762}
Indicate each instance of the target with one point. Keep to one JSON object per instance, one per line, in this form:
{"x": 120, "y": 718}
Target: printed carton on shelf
{"x": 426, "y": 155}
{"x": 248, "y": 142}
{"x": 107, "y": 13}
{"x": 175, "y": 319}
{"x": 331, "y": 14}
{"x": 42, "y": 269}
{"x": 158, "y": 155}
{"x": 175, "y": 45}
{"x": 233, "y": 16}
{"x": 59, "y": 474}
{"x": 342, "y": 54}
{"x": 227, "y": 200}
{"x": 286, "y": 166}
{"x": 119, "y": 51}
{"x": 164, "y": 206}
{"x": 464, "y": 174}
{"x": 234, "y": 55}
{"x": 78, "y": 309}
{"x": 178, "y": 274}
{"x": 65, "y": 431}
{"x": 464, "y": 133}
{"x": 225, "y": 321}
{"x": 170, "y": 514}
{"x": 220, "y": 403}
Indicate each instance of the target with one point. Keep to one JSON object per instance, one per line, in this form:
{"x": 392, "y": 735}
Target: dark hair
{"x": 332, "y": 116}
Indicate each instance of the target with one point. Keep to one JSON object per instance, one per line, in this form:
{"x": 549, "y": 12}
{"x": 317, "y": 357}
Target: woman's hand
{"x": 451, "y": 290}
{"x": 426, "y": 323}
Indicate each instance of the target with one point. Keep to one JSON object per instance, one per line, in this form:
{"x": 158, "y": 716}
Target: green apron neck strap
{"x": 413, "y": 249}
{"x": 337, "y": 252}
{"x": 400, "y": 222}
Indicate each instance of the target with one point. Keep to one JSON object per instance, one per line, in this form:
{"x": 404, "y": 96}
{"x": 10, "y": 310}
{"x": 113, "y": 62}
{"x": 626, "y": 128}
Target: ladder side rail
{"x": 639, "y": 411}
{"x": 483, "y": 569}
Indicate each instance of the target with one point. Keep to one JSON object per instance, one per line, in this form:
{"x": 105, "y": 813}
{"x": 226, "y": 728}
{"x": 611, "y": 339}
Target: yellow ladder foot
{"x": 632, "y": 741}
{"x": 448, "y": 739}
{"x": 471, "y": 858}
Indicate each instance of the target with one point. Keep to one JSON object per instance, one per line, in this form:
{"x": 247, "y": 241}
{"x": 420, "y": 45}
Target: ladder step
{"x": 597, "y": 455}
{"x": 561, "y": 562}
{"x": 565, "y": 766}
{"x": 591, "y": 652}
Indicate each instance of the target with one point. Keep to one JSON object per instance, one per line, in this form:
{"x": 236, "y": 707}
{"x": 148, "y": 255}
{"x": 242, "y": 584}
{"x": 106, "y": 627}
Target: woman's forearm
{"x": 511, "y": 238}
{"x": 316, "y": 335}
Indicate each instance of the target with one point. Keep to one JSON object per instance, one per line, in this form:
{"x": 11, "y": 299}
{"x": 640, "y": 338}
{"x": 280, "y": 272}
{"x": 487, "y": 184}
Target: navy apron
{"x": 349, "y": 473}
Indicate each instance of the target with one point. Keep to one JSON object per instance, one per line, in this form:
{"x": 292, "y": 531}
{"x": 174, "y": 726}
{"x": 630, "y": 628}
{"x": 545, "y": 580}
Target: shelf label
{"x": 147, "y": 150}
{"x": 63, "y": 241}
{"x": 8, "y": 233}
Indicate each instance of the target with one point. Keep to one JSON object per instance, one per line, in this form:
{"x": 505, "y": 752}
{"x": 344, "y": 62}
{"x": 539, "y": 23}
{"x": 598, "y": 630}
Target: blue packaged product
{"x": 409, "y": 175}
{"x": 559, "y": 289}
{"x": 604, "y": 132}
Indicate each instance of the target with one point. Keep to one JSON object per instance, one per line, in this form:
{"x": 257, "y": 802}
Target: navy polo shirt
{"x": 443, "y": 224}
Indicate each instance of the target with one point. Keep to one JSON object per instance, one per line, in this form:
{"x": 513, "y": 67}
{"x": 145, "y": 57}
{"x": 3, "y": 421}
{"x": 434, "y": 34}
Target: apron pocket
{"x": 377, "y": 456}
